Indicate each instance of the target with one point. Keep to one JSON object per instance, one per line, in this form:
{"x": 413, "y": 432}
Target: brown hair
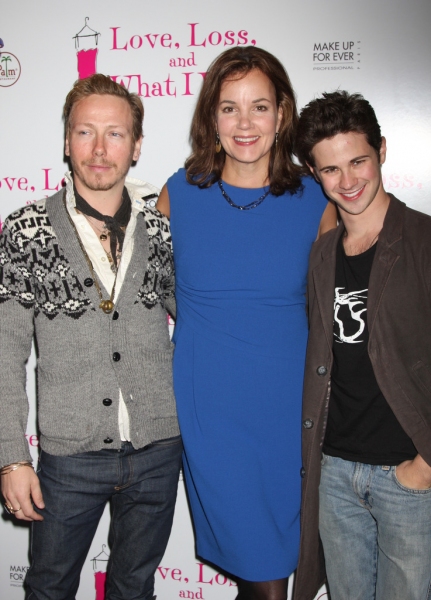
{"x": 103, "y": 85}
{"x": 204, "y": 166}
{"x": 336, "y": 112}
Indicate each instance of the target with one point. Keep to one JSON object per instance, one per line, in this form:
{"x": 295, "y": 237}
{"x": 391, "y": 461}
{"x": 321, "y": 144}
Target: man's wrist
{"x": 14, "y": 466}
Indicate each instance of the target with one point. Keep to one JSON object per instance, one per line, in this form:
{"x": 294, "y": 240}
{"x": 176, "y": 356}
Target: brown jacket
{"x": 399, "y": 322}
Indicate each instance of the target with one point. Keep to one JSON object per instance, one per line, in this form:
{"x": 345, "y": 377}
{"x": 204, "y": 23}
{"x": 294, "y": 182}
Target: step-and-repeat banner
{"x": 161, "y": 50}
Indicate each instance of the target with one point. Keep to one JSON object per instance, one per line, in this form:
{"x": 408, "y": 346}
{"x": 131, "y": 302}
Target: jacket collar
{"x": 387, "y": 254}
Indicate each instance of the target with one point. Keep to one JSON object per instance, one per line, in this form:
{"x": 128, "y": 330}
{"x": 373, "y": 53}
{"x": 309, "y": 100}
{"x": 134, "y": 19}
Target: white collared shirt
{"x": 137, "y": 190}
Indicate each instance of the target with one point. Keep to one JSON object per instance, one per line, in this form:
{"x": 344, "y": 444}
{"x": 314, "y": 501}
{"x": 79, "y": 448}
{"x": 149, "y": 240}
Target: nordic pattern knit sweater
{"x": 84, "y": 356}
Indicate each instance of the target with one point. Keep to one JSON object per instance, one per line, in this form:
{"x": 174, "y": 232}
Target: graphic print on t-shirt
{"x": 348, "y": 322}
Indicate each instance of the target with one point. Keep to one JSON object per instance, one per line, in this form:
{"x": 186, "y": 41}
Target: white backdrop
{"x": 380, "y": 48}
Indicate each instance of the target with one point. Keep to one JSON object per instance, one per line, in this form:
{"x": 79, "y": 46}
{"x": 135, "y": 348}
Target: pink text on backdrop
{"x": 15, "y": 184}
{"x": 188, "y": 84}
{"x": 165, "y": 40}
{"x": 32, "y": 439}
{"x": 210, "y": 579}
{"x": 48, "y": 183}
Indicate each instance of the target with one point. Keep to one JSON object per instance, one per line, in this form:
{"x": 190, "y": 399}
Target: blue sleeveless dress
{"x": 240, "y": 341}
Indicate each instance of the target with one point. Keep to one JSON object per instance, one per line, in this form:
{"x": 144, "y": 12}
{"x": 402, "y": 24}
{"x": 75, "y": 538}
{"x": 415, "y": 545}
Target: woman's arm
{"x": 163, "y": 202}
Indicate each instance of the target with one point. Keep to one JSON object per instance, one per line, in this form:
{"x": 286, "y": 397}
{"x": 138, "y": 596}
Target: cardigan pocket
{"x": 157, "y": 367}
{"x": 422, "y": 374}
{"x": 66, "y": 403}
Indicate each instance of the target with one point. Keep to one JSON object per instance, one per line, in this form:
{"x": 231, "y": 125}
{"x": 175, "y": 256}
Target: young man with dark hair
{"x": 89, "y": 274}
{"x": 367, "y": 393}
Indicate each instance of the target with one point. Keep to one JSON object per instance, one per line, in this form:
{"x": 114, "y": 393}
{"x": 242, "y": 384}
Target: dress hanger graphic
{"x": 85, "y": 32}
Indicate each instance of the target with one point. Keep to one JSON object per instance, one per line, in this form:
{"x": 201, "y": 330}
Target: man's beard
{"x": 96, "y": 182}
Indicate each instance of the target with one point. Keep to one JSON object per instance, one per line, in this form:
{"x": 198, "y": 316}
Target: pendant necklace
{"x": 106, "y": 305}
{"x": 103, "y": 235}
{"x": 102, "y": 232}
{"x": 238, "y": 206}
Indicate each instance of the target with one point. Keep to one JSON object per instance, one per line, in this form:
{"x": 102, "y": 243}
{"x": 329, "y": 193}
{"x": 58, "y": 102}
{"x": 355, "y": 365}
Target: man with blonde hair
{"x": 89, "y": 274}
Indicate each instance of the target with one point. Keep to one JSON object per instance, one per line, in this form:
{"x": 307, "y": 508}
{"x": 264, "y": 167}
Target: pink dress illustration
{"x": 100, "y": 563}
{"x": 87, "y": 62}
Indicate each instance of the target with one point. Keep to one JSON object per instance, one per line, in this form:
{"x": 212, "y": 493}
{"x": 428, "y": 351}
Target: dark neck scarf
{"x": 115, "y": 225}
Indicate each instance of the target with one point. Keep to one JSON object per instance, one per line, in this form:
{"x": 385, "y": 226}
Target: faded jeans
{"x": 376, "y": 533}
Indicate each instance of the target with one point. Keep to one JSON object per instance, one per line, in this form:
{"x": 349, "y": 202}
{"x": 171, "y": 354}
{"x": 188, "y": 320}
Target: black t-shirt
{"x": 361, "y": 425}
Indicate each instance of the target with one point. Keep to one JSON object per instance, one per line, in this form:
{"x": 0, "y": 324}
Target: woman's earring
{"x": 217, "y": 144}
{"x": 276, "y": 137}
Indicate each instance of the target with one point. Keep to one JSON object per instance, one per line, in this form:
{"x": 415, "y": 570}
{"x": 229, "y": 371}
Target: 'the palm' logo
{"x": 10, "y": 69}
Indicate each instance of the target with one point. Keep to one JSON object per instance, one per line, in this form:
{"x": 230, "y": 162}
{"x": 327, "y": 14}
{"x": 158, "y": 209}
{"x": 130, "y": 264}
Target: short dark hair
{"x": 336, "y": 112}
{"x": 104, "y": 86}
{"x": 204, "y": 166}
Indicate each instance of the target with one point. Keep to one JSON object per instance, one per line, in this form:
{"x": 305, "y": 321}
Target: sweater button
{"x": 108, "y": 440}
{"x": 116, "y": 356}
{"x": 302, "y": 472}
{"x": 115, "y": 315}
{"x": 88, "y": 282}
{"x": 107, "y": 402}
{"x": 307, "y": 423}
{"x": 321, "y": 371}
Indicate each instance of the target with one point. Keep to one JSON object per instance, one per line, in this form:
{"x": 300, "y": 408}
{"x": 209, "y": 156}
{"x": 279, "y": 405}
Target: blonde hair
{"x": 104, "y": 85}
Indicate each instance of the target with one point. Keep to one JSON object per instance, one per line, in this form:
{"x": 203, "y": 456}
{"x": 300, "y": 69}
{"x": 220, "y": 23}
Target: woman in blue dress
{"x": 243, "y": 221}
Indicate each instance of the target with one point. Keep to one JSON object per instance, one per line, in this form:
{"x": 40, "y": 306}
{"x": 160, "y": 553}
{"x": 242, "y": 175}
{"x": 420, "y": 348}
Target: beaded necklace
{"x": 238, "y": 206}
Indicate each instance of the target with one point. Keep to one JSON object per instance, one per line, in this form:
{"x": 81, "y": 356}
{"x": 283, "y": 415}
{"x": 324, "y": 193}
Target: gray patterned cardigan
{"x": 84, "y": 356}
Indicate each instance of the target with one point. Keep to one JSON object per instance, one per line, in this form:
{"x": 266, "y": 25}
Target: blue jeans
{"x": 376, "y": 533}
{"x": 141, "y": 486}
